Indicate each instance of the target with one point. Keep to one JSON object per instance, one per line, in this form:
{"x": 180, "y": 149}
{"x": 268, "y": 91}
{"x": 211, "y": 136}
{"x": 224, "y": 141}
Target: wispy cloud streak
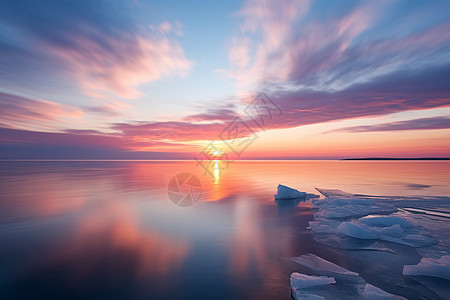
{"x": 20, "y": 111}
{"x": 431, "y": 123}
{"x": 98, "y": 44}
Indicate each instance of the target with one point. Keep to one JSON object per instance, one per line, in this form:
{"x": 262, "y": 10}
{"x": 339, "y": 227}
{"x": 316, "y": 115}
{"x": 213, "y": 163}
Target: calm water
{"x": 107, "y": 230}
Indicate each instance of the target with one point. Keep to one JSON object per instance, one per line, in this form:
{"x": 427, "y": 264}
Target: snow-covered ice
{"x": 430, "y": 267}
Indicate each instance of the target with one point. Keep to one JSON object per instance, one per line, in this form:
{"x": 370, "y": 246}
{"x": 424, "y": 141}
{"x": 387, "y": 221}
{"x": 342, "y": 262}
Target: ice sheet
{"x": 358, "y": 222}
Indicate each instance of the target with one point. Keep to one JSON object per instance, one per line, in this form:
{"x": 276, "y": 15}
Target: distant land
{"x": 399, "y": 158}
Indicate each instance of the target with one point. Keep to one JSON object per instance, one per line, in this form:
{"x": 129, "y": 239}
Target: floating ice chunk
{"x": 353, "y": 211}
{"x": 321, "y": 266}
{"x": 430, "y": 267}
{"x": 318, "y": 227}
{"x": 309, "y": 297}
{"x": 348, "y": 222}
{"x": 285, "y": 192}
{"x": 324, "y": 287}
{"x": 333, "y": 193}
{"x": 395, "y": 234}
{"x": 339, "y": 201}
{"x": 384, "y": 221}
{"x": 413, "y": 240}
{"x": 372, "y": 292}
{"x": 355, "y": 231}
{"x": 390, "y": 228}
{"x": 349, "y": 207}
{"x": 323, "y": 225}
{"x": 444, "y": 214}
{"x": 338, "y": 212}
{"x": 349, "y": 243}
{"x": 393, "y": 231}
{"x": 301, "y": 281}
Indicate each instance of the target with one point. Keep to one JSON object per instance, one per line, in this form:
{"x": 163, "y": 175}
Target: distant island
{"x": 399, "y": 158}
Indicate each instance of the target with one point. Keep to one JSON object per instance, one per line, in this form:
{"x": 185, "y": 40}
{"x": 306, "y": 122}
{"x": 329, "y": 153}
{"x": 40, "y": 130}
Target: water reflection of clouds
{"x": 114, "y": 217}
{"x": 113, "y": 229}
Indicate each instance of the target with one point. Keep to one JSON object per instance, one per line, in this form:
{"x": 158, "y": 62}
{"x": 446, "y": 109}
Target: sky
{"x": 134, "y": 79}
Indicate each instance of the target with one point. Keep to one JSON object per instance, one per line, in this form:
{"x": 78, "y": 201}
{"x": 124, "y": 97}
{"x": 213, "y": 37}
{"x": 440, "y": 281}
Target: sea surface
{"x": 108, "y": 229}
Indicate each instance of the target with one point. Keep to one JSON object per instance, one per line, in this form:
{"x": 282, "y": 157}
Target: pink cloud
{"x": 431, "y": 123}
{"x": 176, "y": 131}
{"x": 282, "y": 45}
{"x": 276, "y": 44}
{"x": 265, "y": 27}
{"x": 76, "y": 142}
{"x": 20, "y": 111}
{"x": 118, "y": 64}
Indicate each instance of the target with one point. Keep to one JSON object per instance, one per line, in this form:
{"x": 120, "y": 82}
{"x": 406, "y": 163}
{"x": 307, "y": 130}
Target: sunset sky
{"x": 135, "y": 79}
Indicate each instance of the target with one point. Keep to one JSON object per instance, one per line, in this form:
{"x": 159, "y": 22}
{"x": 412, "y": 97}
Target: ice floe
{"x": 434, "y": 274}
{"x": 407, "y": 228}
{"x": 335, "y": 207}
{"x": 322, "y": 225}
{"x": 285, "y": 192}
{"x": 409, "y": 236}
{"x": 443, "y": 214}
{"x": 337, "y": 282}
{"x": 372, "y": 292}
{"x": 321, "y": 266}
{"x": 359, "y": 217}
{"x": 301, "y": 281}
{"x": 328, "y": 232}
{"x": 333, "y": 193}
{"x": 355, "y": 231}
{"x": 386, "y": 221}
{"x": 430, "y": 267}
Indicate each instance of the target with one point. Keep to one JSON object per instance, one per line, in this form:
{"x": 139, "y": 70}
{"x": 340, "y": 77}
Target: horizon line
{"x": 232, "y": 160}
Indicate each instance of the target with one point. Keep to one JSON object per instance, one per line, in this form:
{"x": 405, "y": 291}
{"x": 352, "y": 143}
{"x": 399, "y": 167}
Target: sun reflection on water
{"x": 216, "y": 172}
